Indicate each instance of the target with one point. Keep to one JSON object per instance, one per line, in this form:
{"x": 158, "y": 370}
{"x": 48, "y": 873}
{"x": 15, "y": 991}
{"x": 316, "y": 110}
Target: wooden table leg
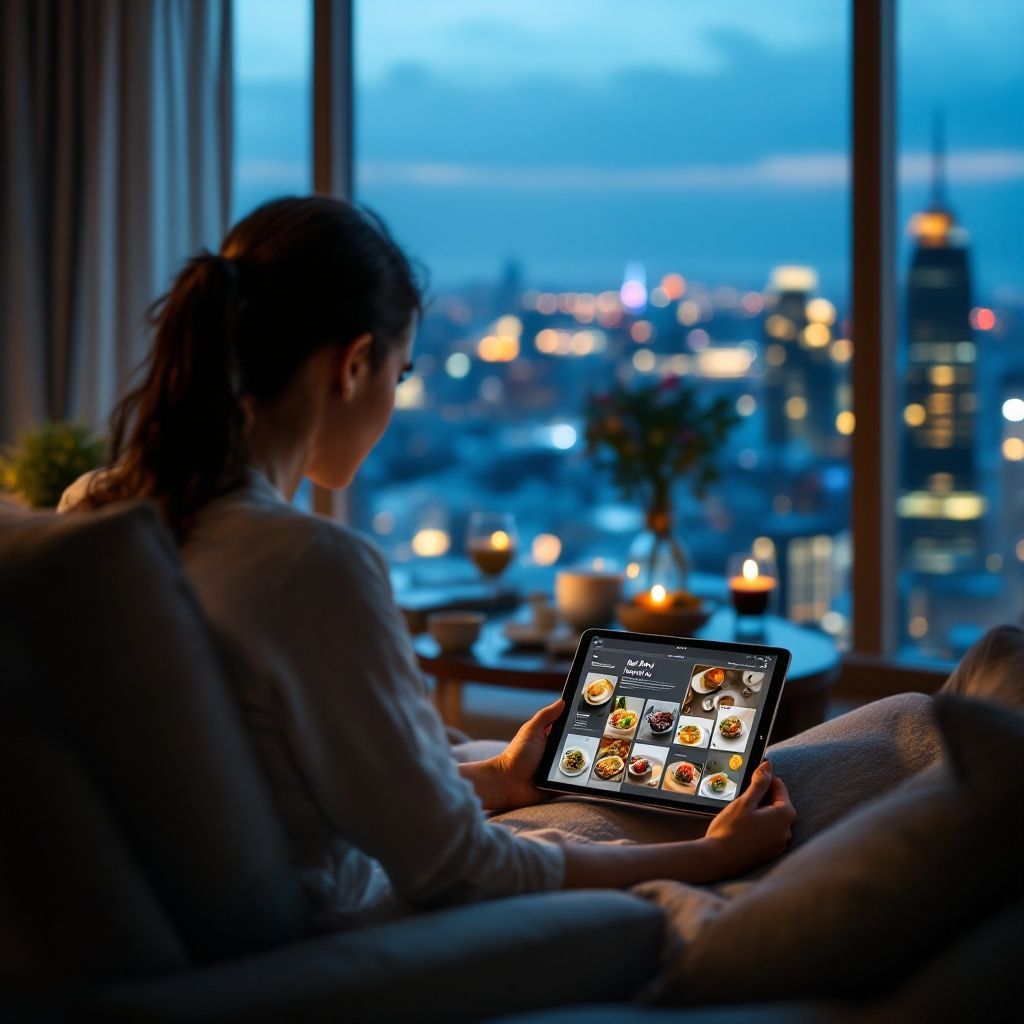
{"x": 448, "y": 698}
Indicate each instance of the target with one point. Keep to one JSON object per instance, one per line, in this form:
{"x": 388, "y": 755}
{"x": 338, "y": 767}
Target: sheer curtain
{"x": 115, "y": 164}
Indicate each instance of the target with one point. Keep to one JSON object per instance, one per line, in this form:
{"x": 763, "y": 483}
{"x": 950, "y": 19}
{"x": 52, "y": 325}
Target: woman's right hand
{"x": 745, "y": 835}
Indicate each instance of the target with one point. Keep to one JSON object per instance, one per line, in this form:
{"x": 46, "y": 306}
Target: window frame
{"x": 870, "y": 668}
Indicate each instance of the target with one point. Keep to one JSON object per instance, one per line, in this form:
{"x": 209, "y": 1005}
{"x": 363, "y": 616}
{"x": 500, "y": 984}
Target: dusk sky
{"x": 705, "y": 136}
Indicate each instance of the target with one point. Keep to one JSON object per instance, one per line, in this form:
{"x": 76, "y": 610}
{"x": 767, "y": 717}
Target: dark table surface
{"x": 494, "y": 659}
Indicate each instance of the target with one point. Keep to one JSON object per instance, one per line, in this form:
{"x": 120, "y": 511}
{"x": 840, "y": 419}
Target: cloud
{"x": 796, "y": 171}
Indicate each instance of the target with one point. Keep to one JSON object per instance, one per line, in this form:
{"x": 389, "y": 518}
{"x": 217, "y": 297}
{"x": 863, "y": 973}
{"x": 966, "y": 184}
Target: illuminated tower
{"x": 800, "y": 376}
{"x": 940, "y": 508}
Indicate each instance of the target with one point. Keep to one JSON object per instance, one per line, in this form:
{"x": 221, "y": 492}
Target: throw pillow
{"x": 867, "y": 901}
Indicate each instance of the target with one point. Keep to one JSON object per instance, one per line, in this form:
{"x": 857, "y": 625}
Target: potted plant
{"x": 650, "y": 436}
{"x": 47, "y": 459}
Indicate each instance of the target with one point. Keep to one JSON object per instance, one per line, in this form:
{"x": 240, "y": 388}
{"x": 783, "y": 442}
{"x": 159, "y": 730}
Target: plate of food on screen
{"x": 731, "y": 727}
{"x": 622, "y": 721}
{"x": 708, "y": 681}
{"x": 682, "y": 777}
{"x": 609, "y": 769}
{"x": 660, "y": 721}
{"x": 689, "y": 734}
{"x": 610, "y": 746}
{"x": 718, "y": 787}
{"x": 574, "y": 761}
{"x": 598, "y": 691}
{"x": 640, "y": 768}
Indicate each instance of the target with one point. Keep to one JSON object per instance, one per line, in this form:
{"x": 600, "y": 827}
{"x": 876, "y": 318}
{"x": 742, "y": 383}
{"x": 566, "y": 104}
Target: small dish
{"x": 726, "y": 794}
{"x": 702, "y": 685}
{"x": 526, "y": 634}
{"x": 572, "y": 772}
{"x": 455, "y": 632}
{"x": 598, "y": 692}
{"x": 698, "y": 733}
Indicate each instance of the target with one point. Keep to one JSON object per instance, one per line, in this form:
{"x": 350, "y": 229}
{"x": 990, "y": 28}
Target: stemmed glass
{"x": 491, "y": 542}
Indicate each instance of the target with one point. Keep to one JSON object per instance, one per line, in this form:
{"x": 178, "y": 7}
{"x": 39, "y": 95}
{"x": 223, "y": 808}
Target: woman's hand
{"x": 506, "y": 781}
{"x": 745, "y": 834}
{"x": 517, "y": 763}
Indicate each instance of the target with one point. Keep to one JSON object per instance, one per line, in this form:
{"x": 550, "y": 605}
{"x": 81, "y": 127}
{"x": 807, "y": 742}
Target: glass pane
{"x": 961, "y": 353}
{"x": 273, "y": 68}
{"x": 273, "y": 153}
{"x": 606, "y": 197}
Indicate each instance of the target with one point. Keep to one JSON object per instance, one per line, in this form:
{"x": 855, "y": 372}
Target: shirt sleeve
{"x": 371, "y": 744}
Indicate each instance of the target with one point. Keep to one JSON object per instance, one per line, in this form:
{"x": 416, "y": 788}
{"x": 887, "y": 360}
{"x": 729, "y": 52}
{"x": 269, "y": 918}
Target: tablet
{"x": 669, "y": 722}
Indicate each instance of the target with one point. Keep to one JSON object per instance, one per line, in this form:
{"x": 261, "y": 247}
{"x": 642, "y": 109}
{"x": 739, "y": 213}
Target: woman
{"x": 278, "y": 359}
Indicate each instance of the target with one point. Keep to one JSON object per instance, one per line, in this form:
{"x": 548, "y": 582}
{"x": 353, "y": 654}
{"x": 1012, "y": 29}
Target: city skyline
{"x": 606, "y": 221}
{"x": 717, "y": 169}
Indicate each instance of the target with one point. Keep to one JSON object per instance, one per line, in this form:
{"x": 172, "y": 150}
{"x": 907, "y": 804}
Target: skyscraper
{"x": 940, "y": 509}
{"x": 800, "y": 374}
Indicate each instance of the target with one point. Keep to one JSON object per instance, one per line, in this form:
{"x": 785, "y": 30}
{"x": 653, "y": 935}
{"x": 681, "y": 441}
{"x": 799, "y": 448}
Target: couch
{"x": 145, "y": 875}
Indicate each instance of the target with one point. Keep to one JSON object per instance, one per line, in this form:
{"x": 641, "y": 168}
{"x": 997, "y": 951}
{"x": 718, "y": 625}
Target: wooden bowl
{"x": 667, "y": 622}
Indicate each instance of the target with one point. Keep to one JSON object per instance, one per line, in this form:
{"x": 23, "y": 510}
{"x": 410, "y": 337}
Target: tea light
{"x": 657, "y": 599}
{"x": 751, "y": 589}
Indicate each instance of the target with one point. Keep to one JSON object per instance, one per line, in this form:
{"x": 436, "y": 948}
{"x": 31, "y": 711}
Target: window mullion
{"x": 873, "y": 301}
{"x": 332, "y": 144}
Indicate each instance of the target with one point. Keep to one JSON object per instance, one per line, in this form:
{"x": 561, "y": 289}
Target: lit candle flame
{"x": 500, "y": 540}
{"x": 750, "y": 569}
{"x": 658, "y": 594}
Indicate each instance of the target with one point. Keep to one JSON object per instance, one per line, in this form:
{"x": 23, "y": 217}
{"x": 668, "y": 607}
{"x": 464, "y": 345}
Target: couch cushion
{"x": 105, "y": 648}
{"x": 863, "y": 904}
{"x": 75, "y": 907}
{"x": 993, "y": 668}
{"x": 462, "y": 964}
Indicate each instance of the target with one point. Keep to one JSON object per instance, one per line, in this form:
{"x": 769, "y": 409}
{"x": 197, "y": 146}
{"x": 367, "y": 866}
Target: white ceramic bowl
{"x": 455, "y": 632}
{"x": 586, "y": 597}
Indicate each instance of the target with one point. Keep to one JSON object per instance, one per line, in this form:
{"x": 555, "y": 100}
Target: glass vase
{"x": 658, "y": 557}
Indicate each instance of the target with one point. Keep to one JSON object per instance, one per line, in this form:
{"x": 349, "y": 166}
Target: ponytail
{"x": 188, "y": 401}
{"x": 294, "y": 276}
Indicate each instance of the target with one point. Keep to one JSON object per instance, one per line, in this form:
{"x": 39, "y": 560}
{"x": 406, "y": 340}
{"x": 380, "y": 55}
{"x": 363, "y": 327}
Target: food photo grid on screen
{"x": 667, "y": 719}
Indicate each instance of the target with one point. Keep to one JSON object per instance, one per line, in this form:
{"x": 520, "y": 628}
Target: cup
{"x": 587, "y": 597}
{"x": 455, "y": 632}
{"x": 543, "y": 614}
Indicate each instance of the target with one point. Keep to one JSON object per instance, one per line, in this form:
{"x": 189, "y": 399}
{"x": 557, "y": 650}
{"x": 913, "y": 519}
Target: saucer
{"x": 526, "y": 634}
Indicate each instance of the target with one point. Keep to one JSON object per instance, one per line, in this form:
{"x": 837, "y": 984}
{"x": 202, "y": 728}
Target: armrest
{"x": 504, "y": 956}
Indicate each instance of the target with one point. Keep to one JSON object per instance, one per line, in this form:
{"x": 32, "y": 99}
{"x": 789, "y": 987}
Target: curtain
{"x": 115, "y": 165}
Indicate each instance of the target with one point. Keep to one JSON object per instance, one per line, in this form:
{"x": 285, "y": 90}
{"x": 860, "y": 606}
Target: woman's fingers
{"x": 779, "y": 800}
{"x": 547, "y": 716}
{"x": 759, "y": 783}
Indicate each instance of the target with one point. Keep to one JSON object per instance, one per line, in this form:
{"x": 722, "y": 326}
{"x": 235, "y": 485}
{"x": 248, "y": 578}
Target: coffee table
{"x": 494, "y": 661}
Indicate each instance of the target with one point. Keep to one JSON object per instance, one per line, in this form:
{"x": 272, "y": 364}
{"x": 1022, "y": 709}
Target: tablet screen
{"x": 659, "y": 717}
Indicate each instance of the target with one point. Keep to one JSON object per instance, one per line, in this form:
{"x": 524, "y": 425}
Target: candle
{"x": 656, "y": 600}
{"x": 751, "y": 591}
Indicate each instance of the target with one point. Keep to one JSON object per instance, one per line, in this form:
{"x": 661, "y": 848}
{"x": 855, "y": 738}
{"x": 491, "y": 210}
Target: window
{"x": 960, "y": 356}
{"x": 598, "y": 197}
{"x": 273, "y": 101}
{"x": 273, "y": 154}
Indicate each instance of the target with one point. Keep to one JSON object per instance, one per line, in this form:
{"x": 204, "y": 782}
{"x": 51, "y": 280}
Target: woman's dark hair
{"x": 294, "y": 276}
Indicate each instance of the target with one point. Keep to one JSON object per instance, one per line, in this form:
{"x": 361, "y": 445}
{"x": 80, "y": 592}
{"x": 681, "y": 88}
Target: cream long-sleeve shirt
{"x": 357, "y": 758}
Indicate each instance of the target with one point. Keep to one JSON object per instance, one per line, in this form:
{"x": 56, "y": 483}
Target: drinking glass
{"x": 491, "y": 542}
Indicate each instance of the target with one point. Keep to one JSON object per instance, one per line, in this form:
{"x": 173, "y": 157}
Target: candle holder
{"x": 753, "y": 585}
{"x": 668, "y": 613}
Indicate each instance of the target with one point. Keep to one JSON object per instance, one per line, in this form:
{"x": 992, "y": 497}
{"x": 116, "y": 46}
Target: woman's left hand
{"x": 510, "y": 773}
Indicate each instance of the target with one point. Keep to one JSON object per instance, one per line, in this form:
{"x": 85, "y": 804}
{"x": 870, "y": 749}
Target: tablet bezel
{"x": 770, "y": 708}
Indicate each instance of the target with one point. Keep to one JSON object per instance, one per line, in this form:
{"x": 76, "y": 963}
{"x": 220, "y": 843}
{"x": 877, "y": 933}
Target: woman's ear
{"x": 355, "y": 367}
